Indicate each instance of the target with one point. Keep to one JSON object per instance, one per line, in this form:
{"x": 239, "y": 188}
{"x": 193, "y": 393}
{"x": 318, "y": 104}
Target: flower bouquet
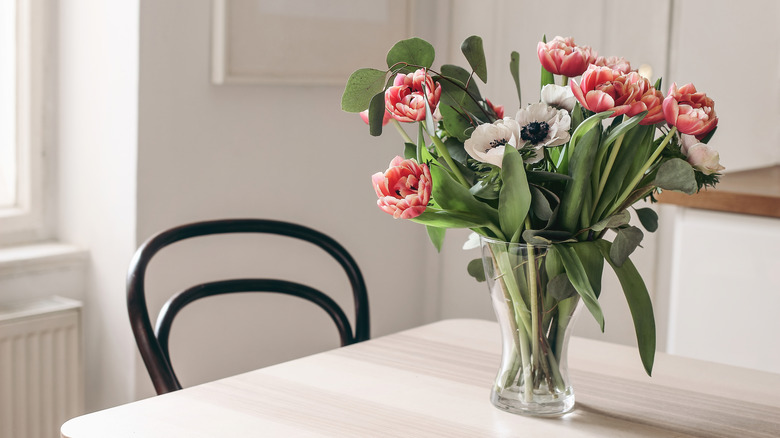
{"x": 542, "y": 188}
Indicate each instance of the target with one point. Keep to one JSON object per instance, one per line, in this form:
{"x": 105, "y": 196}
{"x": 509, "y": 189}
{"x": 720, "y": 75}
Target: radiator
{"x": 41, "y": 367}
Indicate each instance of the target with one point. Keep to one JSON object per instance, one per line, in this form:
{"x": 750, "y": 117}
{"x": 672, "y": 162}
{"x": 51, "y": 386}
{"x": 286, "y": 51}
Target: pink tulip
{"x": 614, "y": 62}
{"x": 562, "y": 57}
{"x": 649, "y": 100}
{"x": 690, "y": 111}
{"x": 405, "y": 100}
{"x": 604, "y": 89}
{"x": 404, "y": 189}
{"x": 386, "y": 118}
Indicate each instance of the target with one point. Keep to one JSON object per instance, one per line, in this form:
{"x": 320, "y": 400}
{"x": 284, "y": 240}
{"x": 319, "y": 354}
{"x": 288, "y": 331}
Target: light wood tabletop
{"x": 435, "y": 380}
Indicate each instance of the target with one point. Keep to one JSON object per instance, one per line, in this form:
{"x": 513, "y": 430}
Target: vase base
{"x": 552, "y": 407}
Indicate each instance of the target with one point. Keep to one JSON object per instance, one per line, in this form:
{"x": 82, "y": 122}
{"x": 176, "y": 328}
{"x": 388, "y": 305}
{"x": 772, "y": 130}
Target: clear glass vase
{"x": 535, "y": 327}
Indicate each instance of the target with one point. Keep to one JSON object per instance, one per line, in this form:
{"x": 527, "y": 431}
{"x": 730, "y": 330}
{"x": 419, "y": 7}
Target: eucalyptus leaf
{"x": 648, "y": 217}
{"x": 436, "y": 234}
{"x": 514, "y": 199}
{"x": 579, "y": 278}
{"x": 561, "y": 288}
{"x": 514, "y": 68}
{"x": 376, "y": 114}
{"x": 614, "y": 221}
{"x": 677, "y": 174}
{"x": 456, "y": 123}
{"x": 414, "y": 51}
{"x": 476, "y": 269}
{"x": 462, "y": 77}
{"x": 475, "y": 55}
{"x": 626, "y": 241}
{"x": 639, "y": 304}
{"x": 361, "y": 87}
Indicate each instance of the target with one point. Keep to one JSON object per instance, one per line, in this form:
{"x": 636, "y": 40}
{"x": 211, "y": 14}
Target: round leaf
{"x": 414, "y": 51}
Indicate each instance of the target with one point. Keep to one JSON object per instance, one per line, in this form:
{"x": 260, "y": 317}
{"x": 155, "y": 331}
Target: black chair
{"x": 153, "y": 344}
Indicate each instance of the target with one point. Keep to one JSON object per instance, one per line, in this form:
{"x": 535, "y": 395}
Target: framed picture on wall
{"x": 303, "y": 41}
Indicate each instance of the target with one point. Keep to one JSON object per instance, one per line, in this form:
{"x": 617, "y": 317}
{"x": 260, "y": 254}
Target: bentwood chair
{"x": 153, "y": 343}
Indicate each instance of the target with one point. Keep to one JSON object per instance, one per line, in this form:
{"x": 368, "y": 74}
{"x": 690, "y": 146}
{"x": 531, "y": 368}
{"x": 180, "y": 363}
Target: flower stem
{"x": 401, "y": 131}
{"x": 638, "y": 177}
{"x": 444, "y": 153}
{"x": 534, "y": 299}
{"x": 608, "y": 169}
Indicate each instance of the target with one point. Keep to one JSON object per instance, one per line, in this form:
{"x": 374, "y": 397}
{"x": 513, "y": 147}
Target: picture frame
{"x": 261, "y": 42}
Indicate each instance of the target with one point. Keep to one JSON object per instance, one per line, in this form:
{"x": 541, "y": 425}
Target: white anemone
{"x": 558, "y": 96}
{"x": 488, "y": 140}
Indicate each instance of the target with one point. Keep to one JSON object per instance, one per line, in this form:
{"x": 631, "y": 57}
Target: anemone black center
{"x": 535, "y": 132}
{"x": 498, "y": 142}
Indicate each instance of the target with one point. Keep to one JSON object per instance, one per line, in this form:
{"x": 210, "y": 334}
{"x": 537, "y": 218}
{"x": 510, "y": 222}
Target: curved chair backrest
{"x": 153, "y": 344}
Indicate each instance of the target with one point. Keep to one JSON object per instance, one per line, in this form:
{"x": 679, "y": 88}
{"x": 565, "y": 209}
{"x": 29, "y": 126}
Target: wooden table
{"x": 434, "y": 381}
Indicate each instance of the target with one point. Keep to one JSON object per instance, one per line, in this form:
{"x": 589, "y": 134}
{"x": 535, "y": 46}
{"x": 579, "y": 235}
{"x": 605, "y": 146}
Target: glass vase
{"x": 535, "y": 327}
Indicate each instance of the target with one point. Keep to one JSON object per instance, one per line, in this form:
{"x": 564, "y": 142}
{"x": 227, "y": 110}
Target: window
{"x": 21, "y": 121}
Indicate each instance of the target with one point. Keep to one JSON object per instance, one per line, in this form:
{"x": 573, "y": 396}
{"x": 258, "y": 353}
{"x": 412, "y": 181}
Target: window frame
{"x": 26, "y": 221}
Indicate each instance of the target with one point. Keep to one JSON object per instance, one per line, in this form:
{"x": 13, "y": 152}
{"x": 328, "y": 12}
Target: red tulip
{"x": 404, "y": 189}
{"x": 649, "y": 100}
{"x": 562, "y": 57}
{"x": 405, "y": 100}
{"x": 690, "y": 111}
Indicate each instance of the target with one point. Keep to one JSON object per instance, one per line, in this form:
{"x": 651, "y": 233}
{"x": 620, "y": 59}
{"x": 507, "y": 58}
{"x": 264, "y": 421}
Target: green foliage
{"x": 514, "y": 69}
{"x": 436, "y": 234}
{"x": 514, "y": 199}
{"x": 578, "y": 276}
{"x": 626, "y": 241}
{"x": 648, "y": 218}
{"x": 361, "y": 87}
{"x": 639, "y": 304}
{"x": 376, "y": 114}
{"x": 677, "y": 174}
{"x": 414, "y": 52}
{"x": 476, "y": 269}
{"x": 475, "y": 55}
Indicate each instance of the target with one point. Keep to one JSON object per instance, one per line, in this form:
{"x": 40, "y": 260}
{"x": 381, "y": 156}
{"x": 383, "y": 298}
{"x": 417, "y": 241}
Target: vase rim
{"x": 484, "y": 239}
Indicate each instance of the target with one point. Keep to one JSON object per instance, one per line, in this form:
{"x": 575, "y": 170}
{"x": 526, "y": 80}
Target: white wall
{"x": 97, "y": 113}
{"x": 283, "y": 152}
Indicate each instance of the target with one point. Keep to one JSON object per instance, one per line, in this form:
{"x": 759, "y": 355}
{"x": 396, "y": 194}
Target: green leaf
{"x": 639, "y": 303}
{"x": 456, "y": 123}
{"x": 475, "y": 55}
{"x": 626, "y": 241}
{"x": 452, "y": 196}
{"x": 462, "y": 77}
{"x": 361, "y": 87}
{"x": 410, "y": 151}
{"x": 614, "y": 221}
{"x": 449, "y": 219}
{"x": 648, "y": 217}
{"x": 561, "y": 288}
{"x": 476, "y": 269}
{"x": 586, "y": 139}
{"x": 708, "y": 136}
{"x": 514, "y": 68}
{"x": 414, "y": 51}
{"x": 677, "y": 174}
{"x": 540, "y": 205}
{"x": 456, "y": 93}
{"x": 514, "y": 199}
{"x": 546, "y": 237}
{"x": 436, "y": 234}
{"x": 624, "y": 127}
{"x": 376, "y": 114}
{"x": 579, "y": 278}
{"x": 636, "y": 144}
{"x": 593, "y": 262}
{"x": 540, "y": 176}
